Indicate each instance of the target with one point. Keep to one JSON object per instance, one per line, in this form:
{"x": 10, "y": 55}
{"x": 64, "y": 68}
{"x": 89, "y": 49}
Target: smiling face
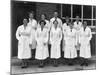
{"x": 55, "y": 14}
{"x": 43, "y": 17}
{"x": 31, "y": 15}
{"x": 77, "y": 18}
{"x": 25, "y": 22}
{"x": 67, "y": 19}
{"x": 84, "y": 24}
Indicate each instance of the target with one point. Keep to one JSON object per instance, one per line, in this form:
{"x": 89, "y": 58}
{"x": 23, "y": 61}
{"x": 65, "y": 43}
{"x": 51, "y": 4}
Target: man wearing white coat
{"x": 55, "y": 41}
{"x": 23, "y": 37}
{"x": 56, "y": 18}
{"x": 33, "y": 24}
{"x": 69, "y": 43}
{"x": 41, "y": 37}
{"x": 43, "y": 17}
{"x": 85, "y": 37}
{"x": 77, "y": 26}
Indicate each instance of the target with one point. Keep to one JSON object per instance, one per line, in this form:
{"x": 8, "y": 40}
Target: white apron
{"x": 23, "y": 37}
{"x": 55, "y": 41}
{"x": 42, "y": 44}
{"x": 69, "y": 42}
{"x": 85, "y": 37}
{"x": 33, "y": 24}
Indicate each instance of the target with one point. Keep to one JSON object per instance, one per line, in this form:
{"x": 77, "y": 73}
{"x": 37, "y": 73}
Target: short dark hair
{"x": 42, "y": 21}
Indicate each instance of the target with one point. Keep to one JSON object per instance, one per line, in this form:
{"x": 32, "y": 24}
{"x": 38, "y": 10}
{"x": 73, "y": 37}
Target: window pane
{"x": 94, "y": 12}
{"x": 66, "y": 8}
{"x": 76, "y": 10}
{"x": 87, "y": 12}
{"x": 94, "y": 22}
{"x": 88, "y": 22}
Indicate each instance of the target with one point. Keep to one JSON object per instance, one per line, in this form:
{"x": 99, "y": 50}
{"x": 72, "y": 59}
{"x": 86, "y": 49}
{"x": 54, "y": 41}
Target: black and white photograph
{"x": 52, "y": 37}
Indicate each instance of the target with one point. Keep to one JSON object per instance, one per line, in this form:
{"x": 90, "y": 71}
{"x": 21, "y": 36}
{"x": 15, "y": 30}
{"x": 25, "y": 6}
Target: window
{"x": 87, "y": 12}
{"x": 67, "y": 10}
{"x": 76, "y": 11}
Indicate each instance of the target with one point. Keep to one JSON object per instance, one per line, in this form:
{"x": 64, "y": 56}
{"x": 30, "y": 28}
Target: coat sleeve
{"x": 18, "y": 34}
{"x": 46, "y": 37}
{"x": 89, "y": 35}
{"x": 37, "y": 36}
{"x": 51, "y": 37}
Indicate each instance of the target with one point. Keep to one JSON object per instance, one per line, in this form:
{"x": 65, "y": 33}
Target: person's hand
{"x": 44, "y": 43}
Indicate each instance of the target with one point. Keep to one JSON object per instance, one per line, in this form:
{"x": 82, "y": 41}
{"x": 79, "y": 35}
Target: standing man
{"x": 56, "y": 18}
{"x": 77, "y": 26}
{"x": 55, "y": 41}
{"x": 23, "y": 37}
{"x": 43, "y": 17}
{"x": 33, "y": 24}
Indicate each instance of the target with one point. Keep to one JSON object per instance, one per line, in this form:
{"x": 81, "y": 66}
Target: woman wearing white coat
{"x": 41, "y": 37}
{"x": 69, "y": 43}
{"x": 23, "y": 37}
{"x": 55, "y": 41}
{"x": 85, "y": 37}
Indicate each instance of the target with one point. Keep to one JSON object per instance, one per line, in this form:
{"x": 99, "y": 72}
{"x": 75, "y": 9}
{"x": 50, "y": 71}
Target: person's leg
{"x": 24, "y": 63}
{"x": 82, "y": 61}
{"x": 56, "y": 62}
{"x": 41, "y": 63}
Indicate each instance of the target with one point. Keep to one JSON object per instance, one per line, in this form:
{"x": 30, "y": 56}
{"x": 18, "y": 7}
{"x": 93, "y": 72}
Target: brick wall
{"x": 46, "y": 8}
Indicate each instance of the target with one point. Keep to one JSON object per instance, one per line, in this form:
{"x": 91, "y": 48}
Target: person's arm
{"x": 18, "y": 34}
{"x": 51, "y": 37}
{"x": 46, "y": 37}
{"x": 89, "y": 34}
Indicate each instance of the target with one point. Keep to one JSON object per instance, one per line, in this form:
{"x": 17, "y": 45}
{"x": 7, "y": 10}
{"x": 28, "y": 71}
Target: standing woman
{"x": 23, "y": 37}
{"x": 42, "y": 43}
{"x": 55, "y": 41}
{"x": 69, "y": 45}
{"x": 85, "y": 37}
{"x": 33, "y": 24}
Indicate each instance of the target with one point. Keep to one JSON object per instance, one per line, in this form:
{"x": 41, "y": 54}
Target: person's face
{"x": 67, "y": 20}
{"x": 31, "y": 16}
{"x": 25, "y": 22}
{"x": 77, "y": 18}
{"x": 43, "y": 17}
{"x": 56, "y": 14}
{"x": 85, "y": 24}
{"x": 42, "y": 24}
{"x": 71, "y": 25}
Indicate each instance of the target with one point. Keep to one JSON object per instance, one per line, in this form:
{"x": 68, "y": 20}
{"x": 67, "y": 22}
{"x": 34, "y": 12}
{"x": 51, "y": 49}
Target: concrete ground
{"x": 33, "y": 67}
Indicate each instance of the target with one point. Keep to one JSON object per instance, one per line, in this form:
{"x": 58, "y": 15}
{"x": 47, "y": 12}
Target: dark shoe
{"x": 24, "y": 66}
{"x": 70, "y": 64}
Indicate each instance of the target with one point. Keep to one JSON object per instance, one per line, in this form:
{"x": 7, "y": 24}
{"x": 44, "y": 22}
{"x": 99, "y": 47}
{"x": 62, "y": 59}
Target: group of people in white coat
{"x": 34, "y": 37}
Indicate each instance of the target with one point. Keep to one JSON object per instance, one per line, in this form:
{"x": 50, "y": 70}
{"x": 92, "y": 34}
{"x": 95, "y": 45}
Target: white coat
{"x": 55, "y": 41}
{"x": 69, "y": 42}
{"x": 33, "y": 24}
{"x": 85, "y": 37}
{"x": 53, "y": 19}
{"x": 23, "y": 37}
{"x": 42, "y": 43}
